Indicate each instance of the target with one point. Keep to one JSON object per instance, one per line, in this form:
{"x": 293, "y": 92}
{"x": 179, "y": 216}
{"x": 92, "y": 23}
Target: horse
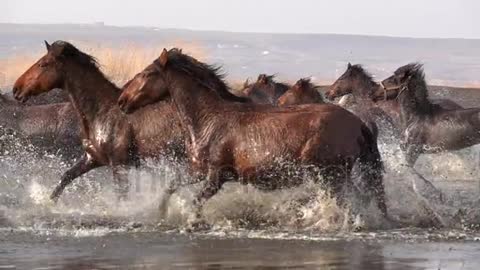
{"x": 108, "y": 136}
{"x": 246, "y": 142}
{"x": 358, "y": 82}
{"x": 50, "y": 128}
{"x": 427, "y": 127}
{"x": 302, "y": 92}
{"x": 386, "y": 112}
{"x": 265, "y": 90}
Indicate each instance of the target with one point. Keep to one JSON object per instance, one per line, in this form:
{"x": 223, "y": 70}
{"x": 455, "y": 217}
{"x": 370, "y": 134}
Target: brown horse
{"x": 109, "y": 137}
{"x": 51, "y": 128}
{"x": 265, "y": 90}
{"x": 302, "y": 92}
{"x": 427, "y": 127}
{"x": 247, "y": 142}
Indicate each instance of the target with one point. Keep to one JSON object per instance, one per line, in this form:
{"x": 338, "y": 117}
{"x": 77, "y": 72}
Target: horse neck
{"x": 362, "y": 89}
{"x": 412, "y": 107}
{"x": 90, "y": 92}
{"x": 196, "y": 104}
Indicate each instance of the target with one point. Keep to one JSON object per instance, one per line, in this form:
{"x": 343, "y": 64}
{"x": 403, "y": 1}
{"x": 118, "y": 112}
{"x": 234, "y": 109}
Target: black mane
{"x": 208, "y": 75}
{"x": 417, "y": 86}
{"x": 306, "y": 83}
{"x": 359, "y": 70}
{"x": 68, "y": 51}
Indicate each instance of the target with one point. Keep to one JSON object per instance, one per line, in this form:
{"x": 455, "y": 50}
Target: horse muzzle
{"x": 19, "y": 95}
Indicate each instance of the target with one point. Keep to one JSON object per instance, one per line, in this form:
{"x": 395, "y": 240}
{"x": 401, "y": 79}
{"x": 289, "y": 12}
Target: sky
{"x": 405, "y": 18}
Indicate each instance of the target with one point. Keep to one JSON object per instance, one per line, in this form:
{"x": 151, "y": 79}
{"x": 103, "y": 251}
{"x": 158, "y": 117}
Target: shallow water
{"x": 27, "y": 250}
{"x": 89, "y": 229}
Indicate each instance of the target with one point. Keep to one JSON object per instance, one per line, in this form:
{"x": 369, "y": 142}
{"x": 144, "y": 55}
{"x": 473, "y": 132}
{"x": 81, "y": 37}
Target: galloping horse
{"x": 50, "y": 128}
{"x": 427, "y": 127}
{"x": 109, "y": 137}
{"x": 358, "y": 82}
{"x": 265, "y": 90}
{"x": 385, "y": 111}
{"x": 302, "y": 92}
{"x": 245, "y": 141}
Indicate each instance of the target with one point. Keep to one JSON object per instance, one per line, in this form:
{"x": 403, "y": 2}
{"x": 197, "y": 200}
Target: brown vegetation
{"x": 119, "y": 63}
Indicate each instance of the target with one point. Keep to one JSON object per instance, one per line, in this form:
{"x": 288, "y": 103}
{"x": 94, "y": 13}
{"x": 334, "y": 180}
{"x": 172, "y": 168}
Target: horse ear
{"x": 163, "y": 59}
{"x": 262, "y": 78}
{"x": 349, "y": 65}
{"x": 47, "y": 45}
{"x": 245, "y": 84}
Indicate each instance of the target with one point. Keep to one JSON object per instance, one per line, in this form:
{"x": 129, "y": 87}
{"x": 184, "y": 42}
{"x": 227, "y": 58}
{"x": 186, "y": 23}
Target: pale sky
{"x": 407, "y": 18}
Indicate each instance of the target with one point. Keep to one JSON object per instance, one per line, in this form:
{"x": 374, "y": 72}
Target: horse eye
{"x": 42, "y": 65}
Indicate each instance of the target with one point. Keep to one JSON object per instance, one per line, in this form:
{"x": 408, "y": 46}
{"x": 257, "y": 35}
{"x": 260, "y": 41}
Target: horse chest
{"x": 101, "y": 145}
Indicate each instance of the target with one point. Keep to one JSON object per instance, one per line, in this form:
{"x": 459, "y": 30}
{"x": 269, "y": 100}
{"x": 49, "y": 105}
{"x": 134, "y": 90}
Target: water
{"x": 249, "y": 229}
{"x": 27, "y": 250}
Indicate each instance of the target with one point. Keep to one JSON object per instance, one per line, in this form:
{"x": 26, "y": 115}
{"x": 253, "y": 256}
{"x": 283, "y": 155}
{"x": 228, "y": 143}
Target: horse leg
{"x": 173, "y": 186}
{"x": 214, "y": 183}
{"x": 335, "y": 177}
{"x": 412, "y": 153}
{"x": 85, "y": 164}
{"x": 120, "y": 177}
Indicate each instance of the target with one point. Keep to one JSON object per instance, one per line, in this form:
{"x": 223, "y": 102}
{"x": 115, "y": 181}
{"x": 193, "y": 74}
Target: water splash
{"x": 90, "y": 207}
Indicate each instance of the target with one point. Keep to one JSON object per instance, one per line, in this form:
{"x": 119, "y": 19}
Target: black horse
{"x": 427, "y": 127}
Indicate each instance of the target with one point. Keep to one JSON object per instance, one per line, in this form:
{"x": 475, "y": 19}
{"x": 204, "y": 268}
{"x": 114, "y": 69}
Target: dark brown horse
{"x": 427, "y": 127}
{"x": 247, "y": 142}
{"x": 51, "y": 128}
{"x": 358, "y": 82}
{"x": 109, "y": 137}
{"x": 302, "y": 92}
{"x": 265, "y": 90}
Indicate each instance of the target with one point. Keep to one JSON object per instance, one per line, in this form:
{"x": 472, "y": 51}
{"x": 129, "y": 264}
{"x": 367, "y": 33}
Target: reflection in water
{"x": 174, "y": 251}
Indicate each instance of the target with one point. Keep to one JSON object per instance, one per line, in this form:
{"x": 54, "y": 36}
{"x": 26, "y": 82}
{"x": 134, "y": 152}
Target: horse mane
{"x": 210, "y": 76}
{"x": 360, "y": 70}
{"x": 306, "y": 83}
{"x": 68, "y": 51}
{"x": 267, "y": 78}
{"x": 417, "y": 85}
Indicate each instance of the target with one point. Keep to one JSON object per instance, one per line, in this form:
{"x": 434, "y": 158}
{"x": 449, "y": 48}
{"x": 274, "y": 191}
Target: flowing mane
{"x": 360, "y": 71}
{"x": 209, "y": 76}
{"x": 416, "y": 92}
{"x": 68, "y": 51}
{"x": 306, "y": 83}
{"x": 417, "y": 81}
{"x": 270, "y": 79}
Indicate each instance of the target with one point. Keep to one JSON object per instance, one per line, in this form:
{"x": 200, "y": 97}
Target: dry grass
{"x": 119, "y": 63}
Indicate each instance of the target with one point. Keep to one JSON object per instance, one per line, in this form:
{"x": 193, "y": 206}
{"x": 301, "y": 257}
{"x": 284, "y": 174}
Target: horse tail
{"x": 371, "y": 165}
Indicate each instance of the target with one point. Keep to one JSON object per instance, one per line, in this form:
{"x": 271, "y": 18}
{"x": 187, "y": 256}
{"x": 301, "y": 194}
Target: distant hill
{"x": 324, "y": 56}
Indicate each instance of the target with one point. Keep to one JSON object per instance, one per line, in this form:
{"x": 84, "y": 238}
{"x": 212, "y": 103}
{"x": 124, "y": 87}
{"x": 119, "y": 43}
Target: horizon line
{"x": 103, "y": 24}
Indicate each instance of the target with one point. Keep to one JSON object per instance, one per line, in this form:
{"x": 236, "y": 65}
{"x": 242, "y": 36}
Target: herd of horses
{"x": 181, "y": 108}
